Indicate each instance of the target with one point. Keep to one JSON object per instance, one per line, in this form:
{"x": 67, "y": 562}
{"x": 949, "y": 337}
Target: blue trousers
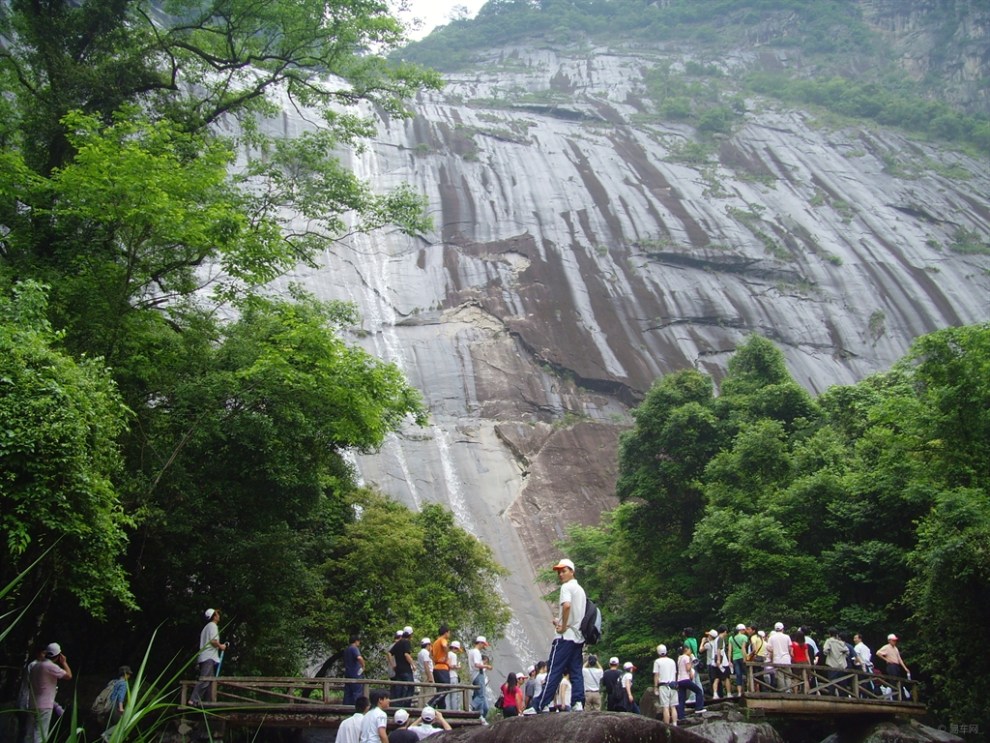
{"x": 565, "y": 655}
{"x": 479, "y": 700}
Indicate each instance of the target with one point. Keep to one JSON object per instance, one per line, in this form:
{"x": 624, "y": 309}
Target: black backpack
{"x": 591, "y": 623}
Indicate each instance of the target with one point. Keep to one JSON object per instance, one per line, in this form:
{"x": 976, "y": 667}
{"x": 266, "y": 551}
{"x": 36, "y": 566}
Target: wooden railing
{"x": 302, "y": 694}
{"x": 815, "y": 681}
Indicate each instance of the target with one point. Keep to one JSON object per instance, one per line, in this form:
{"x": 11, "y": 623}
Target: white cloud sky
{"x": 435, "y": 13}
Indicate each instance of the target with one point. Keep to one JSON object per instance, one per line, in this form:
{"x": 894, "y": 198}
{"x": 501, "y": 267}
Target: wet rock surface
{"x": 584, "y": 727}
{"x": 578, "y": 255}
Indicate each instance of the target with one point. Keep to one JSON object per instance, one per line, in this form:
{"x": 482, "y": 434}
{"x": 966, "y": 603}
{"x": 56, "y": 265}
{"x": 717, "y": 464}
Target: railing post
{"x": 855, "y": 684}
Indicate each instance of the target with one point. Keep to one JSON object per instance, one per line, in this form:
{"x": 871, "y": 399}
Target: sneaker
{"x": 530, "y": 711}
{"x": 578, "y": 707}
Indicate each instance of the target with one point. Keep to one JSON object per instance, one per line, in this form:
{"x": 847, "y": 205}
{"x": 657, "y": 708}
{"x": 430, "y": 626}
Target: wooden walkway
{"x": 308, "y": 702}
{"x": 816, "y": 691}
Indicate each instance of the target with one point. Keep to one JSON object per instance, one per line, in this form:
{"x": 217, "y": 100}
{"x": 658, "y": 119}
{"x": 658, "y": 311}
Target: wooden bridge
{"x": 820, "y": 691}
{"x": 305, "y": 702}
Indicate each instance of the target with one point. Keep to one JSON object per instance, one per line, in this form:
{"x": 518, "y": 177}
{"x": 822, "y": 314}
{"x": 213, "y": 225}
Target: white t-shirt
{"x": 375, "y": 719}
{"x": 350, "y": 729}
{"x": 592, "y": 678}
{"x": 424, "y": 730}
{"x": 863, "y": 655}
{"x": 627, "y": 679}
{"x": 665, "y": 670}
{"x": 474, "y": 660}
{"x": 572, "y": 593}
{"x": 207, "y": 650}
{"x": 424, "y": 663}
{"x": 780, "y": 647}
{"x": 454, "y": 664}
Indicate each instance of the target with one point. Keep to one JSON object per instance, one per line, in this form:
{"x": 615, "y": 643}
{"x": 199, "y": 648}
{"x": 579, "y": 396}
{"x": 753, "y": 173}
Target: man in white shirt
{"x": 566, "y": 652}
{"x": 374, "y": 726}
{"x": 210, "y": 648}
{"x": 477, "y": 665}
{"x": 779, "y": 649}
{"x": 665, "y": 684}
{"x": 424, "y": 666}
{"x": 863, "y": 661}
{"x": 350, "y": 729}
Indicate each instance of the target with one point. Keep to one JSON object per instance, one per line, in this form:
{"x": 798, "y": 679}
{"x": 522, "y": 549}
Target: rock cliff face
{"x": 579, "y": 255}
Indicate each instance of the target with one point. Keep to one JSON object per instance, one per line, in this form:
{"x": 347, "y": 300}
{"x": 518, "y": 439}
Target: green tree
{"x": 59, "y": 422}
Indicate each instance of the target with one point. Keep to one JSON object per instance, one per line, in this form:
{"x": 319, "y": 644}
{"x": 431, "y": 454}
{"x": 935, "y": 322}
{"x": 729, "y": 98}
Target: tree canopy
{"x": 171, "y": 435}
{"x": 865, "y": 508}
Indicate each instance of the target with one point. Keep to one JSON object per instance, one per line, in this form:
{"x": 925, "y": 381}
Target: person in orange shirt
{"x": 440, "y": 655}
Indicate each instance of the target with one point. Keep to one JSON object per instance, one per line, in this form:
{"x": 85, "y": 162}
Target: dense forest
{"x": 866, "y": 508}
{"x": 172, "y": 435}
{"x": 834, "y": 59}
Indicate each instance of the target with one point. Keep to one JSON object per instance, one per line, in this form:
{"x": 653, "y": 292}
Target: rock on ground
{"x": 583, "y": 727}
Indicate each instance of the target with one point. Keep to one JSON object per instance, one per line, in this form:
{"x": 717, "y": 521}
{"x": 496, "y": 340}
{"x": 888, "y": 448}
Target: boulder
{"x": 581, "y": 727}
{"x": 895, "y": 732}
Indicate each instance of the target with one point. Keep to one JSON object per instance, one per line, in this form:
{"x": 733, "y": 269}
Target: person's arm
{"x": 64, "y": 665}
{"x": 409, "y": 660}
{"x": 360, "y": 660}
{"x": 565, "y": 614}
{"x": 383, "y": 734}
{"x": 443, "y": 723}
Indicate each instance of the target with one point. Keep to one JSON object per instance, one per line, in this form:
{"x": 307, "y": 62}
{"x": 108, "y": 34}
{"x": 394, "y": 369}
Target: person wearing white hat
{"x": 424, "y": 666}
{"x": 610, "y": 683}
{"x": 665, "y": 684}
{"x": 401, "y": 652}
{"x": 454, "y": 663}
{"x": 425, "y": 726}
{"x": 592, "y": 673}
{"x": 210, "y": 649}
{"x": 891, "y": 655}
{"x": 628, "y": 669}
{"x": 779, "y": 654}
{"x": 567, "y": 650}
{"x": 43, "y": 678}
{"x": 477, "y": 665}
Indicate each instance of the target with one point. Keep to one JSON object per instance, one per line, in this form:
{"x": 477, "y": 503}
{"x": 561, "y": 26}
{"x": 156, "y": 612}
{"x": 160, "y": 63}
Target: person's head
{"x": 428, "y": 715}
{"x": 712, "y": 634}
{"x": 722, "y": 629}
{"x": 425, "y": 642}
{"x": 407, "y": 631}
{"x": 520, "y": 678}
{"x": 751, "y": 629}
{"x": 686, "y": 649}
{"x": 380, "y": 698}
{"x": 541, "y": 666}
{"x": 857, "y": 638}
{"x": 778, "y": 626}
{"x": 443, "y": 630}
{"x": 799, "y": 637}
{"x": 531, "y": 671}
{"x": 355, "y": 639}
{"x": 361, "y": 705}
{"x": 687, "y": 632}
{"x": 662, "y": 650}
{"x": 592, "y": 661}
{"x": 455, "y": 646}
{"x": 628, "y": 667}
{"x": 892, "y": 639}
{"x": 740, "y": 627}
{"x": 613, "y": 662}
{"x": 511, "y": 681}
{"x": 398, "y": 634}
{"x": 833, "y": 632}
{"x": 565, "y": 570}
{"x": 480, "y": 642}
{"x": 53, "y": 650}
{"x": 212, "y": 615}
{"x": 124, "y": 672}
{"x": 401, "y": 717}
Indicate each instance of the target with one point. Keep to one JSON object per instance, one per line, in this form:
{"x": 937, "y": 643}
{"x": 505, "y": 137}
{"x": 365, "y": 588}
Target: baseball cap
{"x": 520, "y": 676}
{"x": 564, "y": 564}
{"x": 740, "y": 627}
{"x": 779, "y": 626}
{"x": 661, "y": 649}
{"x": 53, "y": 650}
{"x": 455, "y": 645}
{"x": 407, "y": 630}
{"x": 613, "y": 661}
{"x": 398, "y": 633}
{"x": 530, "y": 669}
{"x": 712, "y": 634}
{"x": 480, "y": 639}
{"x": 401, "y": 717}
{"x": 628, "y": 666}
{"x": 889, "y": 637}
{"x": 208, "y": 613}
{"x": 428, "y": 714}
{"x": 425, "y": 641}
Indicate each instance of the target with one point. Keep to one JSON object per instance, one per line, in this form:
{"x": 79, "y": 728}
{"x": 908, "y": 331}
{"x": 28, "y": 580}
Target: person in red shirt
{"x": 512, "y": 696}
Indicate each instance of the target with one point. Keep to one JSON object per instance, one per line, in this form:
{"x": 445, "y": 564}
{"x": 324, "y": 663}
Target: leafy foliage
{"x": 866, "y": 508}
{"x": 182, "y": 439}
